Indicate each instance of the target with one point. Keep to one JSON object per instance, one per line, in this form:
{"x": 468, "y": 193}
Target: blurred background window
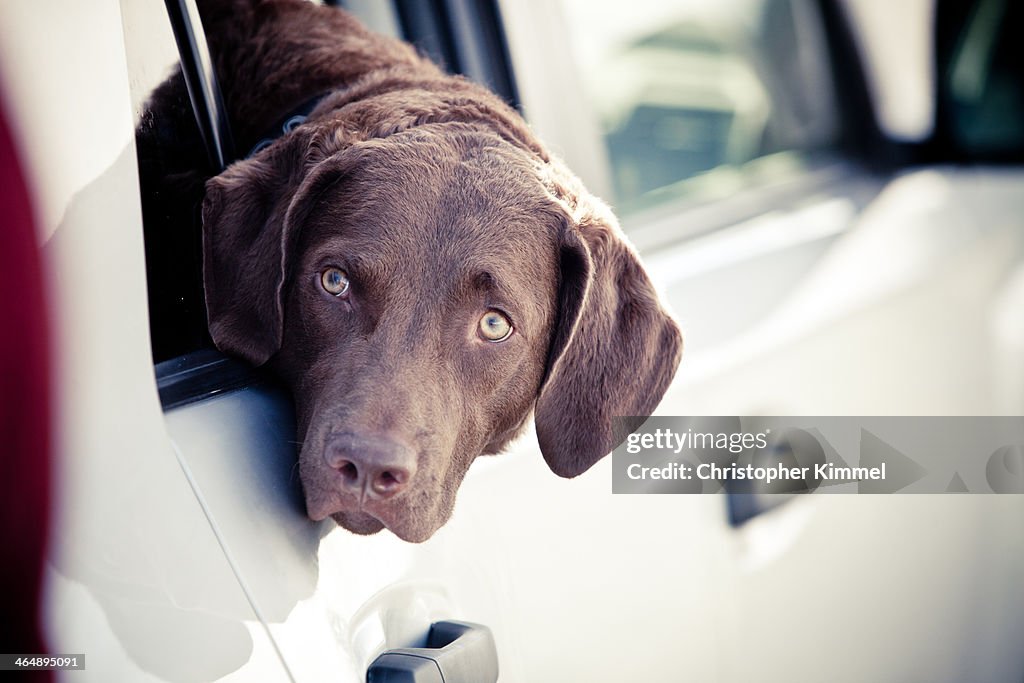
{"x": 981, "y": 92}
{"x": 697, "y": 99}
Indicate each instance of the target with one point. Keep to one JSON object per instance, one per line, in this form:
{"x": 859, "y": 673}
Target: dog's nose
{"x": 380, "y": 466}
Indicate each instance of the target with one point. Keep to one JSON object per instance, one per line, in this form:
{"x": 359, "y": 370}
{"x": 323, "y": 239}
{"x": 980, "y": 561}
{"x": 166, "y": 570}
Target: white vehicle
{"x": 862, "y": 261}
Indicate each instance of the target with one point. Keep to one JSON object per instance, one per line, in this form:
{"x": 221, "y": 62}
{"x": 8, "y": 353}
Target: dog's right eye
{"x": 334, "y": 281}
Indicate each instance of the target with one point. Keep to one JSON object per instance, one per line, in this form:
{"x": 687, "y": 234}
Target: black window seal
{"x": 206, "y": 372}
{"x": 201, "y": 82}
{"x": 203, "y": 374}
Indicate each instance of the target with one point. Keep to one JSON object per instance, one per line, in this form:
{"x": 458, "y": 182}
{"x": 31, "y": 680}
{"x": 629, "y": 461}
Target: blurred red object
{"x": 24, "y": 414}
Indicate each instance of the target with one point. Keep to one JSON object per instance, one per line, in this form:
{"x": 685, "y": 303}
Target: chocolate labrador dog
{"x": 418, "y": 269}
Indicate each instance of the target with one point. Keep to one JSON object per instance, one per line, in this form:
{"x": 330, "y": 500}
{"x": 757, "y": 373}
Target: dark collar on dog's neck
{"x": 292, "y": 120}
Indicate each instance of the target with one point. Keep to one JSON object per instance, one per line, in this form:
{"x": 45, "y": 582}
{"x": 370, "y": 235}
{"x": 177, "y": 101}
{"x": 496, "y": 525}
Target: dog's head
{"x": 422, "y": 293}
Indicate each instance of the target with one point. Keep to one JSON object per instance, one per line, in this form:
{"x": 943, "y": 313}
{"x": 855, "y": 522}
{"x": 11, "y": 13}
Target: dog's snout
{"x": 376, "y": 466}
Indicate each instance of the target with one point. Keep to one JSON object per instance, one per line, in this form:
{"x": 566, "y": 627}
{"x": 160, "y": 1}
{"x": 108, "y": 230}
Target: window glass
{"x": 378, "y": 16}
{"x": 689, "y": 93}
{"x": 981, "y": 61}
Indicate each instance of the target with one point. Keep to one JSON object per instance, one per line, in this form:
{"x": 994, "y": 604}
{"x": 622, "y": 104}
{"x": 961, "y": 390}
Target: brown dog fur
{"x": 438, "y": 202}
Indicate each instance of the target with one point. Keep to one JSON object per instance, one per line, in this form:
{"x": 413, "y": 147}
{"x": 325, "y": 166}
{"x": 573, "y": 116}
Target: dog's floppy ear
{"x": 251, "y": 216}
{"x": 614, "y": 349}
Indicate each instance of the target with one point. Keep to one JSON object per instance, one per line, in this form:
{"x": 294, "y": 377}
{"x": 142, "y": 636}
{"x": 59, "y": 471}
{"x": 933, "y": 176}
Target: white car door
{"x": 813, "y": 275}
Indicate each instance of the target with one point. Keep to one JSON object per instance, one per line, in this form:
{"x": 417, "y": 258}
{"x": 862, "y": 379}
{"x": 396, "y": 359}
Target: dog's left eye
{"x": 334, "y": 281}
{"x": 495, "y": 327}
